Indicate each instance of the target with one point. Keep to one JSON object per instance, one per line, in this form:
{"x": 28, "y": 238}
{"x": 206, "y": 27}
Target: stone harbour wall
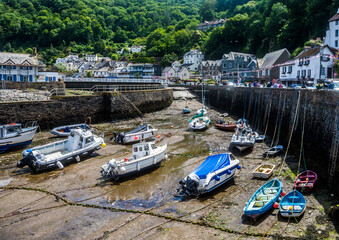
{"x": 321, "y": 108}
{"x": 64, "y": 110}
{"x": 34, "y": 85}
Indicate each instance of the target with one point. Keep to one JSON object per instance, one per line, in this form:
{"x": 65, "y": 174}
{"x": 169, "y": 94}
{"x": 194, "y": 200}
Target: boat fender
{"x": 282, "y": 193}
{"x": 77, "y": 158}
{"x": 29, "y": 150}
{"x": 138, "y": 167}
{"x": 123, "y": 170}
{"x": 126, "y": 159}
{"x": 217, "y": 178}
{"x": 238, "y": 167}
{"x": 276, "y": 205}
{"x": 229, "y": 172}
{"x": 59, "y": 164}
{"x": 166, "y": 156}
{"x": 154, "y": 160}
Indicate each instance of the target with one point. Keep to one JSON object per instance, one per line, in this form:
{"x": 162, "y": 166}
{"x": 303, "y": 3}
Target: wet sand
{"x": 75, "y": 203}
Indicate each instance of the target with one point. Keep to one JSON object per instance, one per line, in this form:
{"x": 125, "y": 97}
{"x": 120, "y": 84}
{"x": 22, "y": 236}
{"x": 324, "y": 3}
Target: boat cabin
{"x": 79, "y": 139}
{"x": 9, "y": 130}
{"x": 143, "y": 149}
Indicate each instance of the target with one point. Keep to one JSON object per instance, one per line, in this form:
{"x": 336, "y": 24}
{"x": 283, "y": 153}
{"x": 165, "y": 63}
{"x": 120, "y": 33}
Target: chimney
{"x": 35, "y": 52}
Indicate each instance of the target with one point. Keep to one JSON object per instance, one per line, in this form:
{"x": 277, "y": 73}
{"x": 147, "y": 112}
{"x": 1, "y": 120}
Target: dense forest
{"x": 168, "y": 28}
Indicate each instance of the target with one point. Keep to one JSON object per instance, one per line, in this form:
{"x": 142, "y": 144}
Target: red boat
{"x": 226, "y": 127}
{"x": 305, "y": 181}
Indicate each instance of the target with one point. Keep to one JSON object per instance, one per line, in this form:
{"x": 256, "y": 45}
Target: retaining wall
{"x": 62, "y": 110}
{"x": 321, "y": 108}
{"x": 34, "y": 85}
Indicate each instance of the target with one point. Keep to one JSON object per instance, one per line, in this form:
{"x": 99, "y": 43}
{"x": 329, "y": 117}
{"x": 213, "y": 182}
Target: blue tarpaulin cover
{"x": 212, "y": 164}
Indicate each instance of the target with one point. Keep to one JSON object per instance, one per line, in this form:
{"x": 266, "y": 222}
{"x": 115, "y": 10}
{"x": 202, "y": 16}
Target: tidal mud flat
{"x": 75, "y": 203}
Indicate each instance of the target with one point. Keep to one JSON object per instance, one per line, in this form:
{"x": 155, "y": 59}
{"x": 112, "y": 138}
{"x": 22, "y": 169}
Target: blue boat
{"x": 263, "y": 199}
{"x": 65, "y": 131}
{"x": 186, "y": 110}
{"x": 292, "y": 204}
{"x": 212, "y": 173}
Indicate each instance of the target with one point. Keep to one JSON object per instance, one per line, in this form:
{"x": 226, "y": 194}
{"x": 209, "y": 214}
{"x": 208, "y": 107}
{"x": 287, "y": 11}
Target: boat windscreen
{"x": 211, "y": 164}
{"x": 138, "y": 129}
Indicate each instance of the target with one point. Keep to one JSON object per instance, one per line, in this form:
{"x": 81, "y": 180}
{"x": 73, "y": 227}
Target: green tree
{"x": 168, "y": 59}
{"x": 207, "y": 10}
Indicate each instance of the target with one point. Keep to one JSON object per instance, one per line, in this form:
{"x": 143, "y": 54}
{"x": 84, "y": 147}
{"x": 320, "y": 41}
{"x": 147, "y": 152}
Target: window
{"x": 336, "y": 33}
{"x": 153, "y": 146}
{"x": 140, "y": 149}
{"x": 11, "y": 130}
{"x": 263, "y": 72}
{"x": 309, "y": 73}
{"x": 325, "y": 57}
{"x": 10, "y": 78}
{"x": 284, "y": 70}
{"x": 300, "y": 62}
{"x": 4, "y": 67}
{"x": 322, "y": 71}
{"x": 224, "y": 65}
{"x": 89, "y": 139}
{"x": 289, "y": 69}
{"x": 267, "y": 72}
{"x": 303, "y": 73}
{"x": 336, "y": 43}
{"x": 230, "y": 65}
{"x": 135, "y": 149}
{"x": 146, "y": 147}
{"x": 336, "y": 22}
{"x": 298, "y": 73}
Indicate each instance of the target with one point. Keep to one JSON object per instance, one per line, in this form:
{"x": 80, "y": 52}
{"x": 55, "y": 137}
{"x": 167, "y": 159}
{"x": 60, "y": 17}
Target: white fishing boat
{"x": 12, "y": 135}
{"x": 80, "y": 143}
{"x": 264, "y": 171}
{"x": 259, "y": 138}
{"x": 65, "y": 131}
{"x": 145, "y": 155}
{"x": 141, "y": 133}
{"x": 199, "y": 122}
{"x": 212, "y": 173}
{"x": 242, "y": 140}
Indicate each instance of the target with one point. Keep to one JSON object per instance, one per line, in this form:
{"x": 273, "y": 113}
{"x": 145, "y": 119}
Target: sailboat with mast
{"x": 201, "y": 121}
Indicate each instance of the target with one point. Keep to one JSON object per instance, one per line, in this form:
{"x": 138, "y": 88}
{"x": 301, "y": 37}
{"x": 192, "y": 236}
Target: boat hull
{"x": 264, "y": 200}
{"x": 305, "y": 181}
{"x": 226, "y": 127}
{"x": 292, "y": 204}
{"x": 22, "y": 139}
{"x": 132, "y": 138}
{"x": 65, "y": 131}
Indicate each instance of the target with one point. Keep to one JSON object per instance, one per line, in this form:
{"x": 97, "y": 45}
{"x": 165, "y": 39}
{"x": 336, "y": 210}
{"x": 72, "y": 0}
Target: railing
{"x": 116, "y": 80}
{"x": 104, "y": 88}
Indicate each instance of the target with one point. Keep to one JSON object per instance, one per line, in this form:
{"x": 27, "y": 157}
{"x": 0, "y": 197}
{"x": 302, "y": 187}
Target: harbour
{"x": 77, "y": 203}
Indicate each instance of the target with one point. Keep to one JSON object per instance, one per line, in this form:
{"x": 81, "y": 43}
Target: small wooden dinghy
{"x": 292, "y": 204}
{"x": 264, "y": 171}
{"x": 145, "y": 155}
{"x": 80, "y": 144}
{"x": 141, "y": 133}
{"x": 14, "y": 135}
{"x": 65, "y": 131}
{"x": 263, "y": 199}
{"x": 212, "y": 173}
{"x": 305, "y": 181}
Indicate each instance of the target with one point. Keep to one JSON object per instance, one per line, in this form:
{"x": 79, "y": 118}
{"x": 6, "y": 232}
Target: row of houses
{"x": 207, "y": 25}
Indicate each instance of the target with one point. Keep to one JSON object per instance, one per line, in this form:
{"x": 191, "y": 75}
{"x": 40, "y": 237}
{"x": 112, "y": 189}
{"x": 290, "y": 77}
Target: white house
{"x": 310, "y": 66}
{"x": 91, "y": 58}
{"x": 332, "y": 33}
{"x": 49, "y": 76}
{"x": 102, "y": 72}
{"x": 19, "y": 67}
{"x": 136, "y": 49}
{"x": 181, "y": 73}
{"x": 193, "y": 58}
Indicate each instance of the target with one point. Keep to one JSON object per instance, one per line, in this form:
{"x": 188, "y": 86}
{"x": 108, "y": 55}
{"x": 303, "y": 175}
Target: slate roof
{"x": 233, "y": 55}
{"x": 335, "y": 17}
{"x": 314, "y": 51}
{"x": 270, "y": 58}
{"x": 19, "y": 59}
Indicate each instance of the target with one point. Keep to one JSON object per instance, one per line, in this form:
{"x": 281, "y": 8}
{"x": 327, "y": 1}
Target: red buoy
{"x": 282, "y": 193}
{"x": 136, "y": 138}
{"x": 126, "y": 159}
{"x": 159, "y": 136}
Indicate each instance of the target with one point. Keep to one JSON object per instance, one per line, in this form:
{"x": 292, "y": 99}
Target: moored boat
{"x": 64, "y": 131}
{"x": 80, "y": 143}
{"x": 305, "y": 181}
{"x": 186, "y": 110}
{"x": 226, "y": 127}
{"x": 264, "y": 171}
{"x": 13, "y": 135}
{"x": 292, "y": 204}
{"x": 242, "y": 139}
{"x": 259, "y": 138}
{"x": 274, "y": 151}
{"x": 145, "y": 155}
{"x": 212, "y": 173}
{"x": 199, "y": 122}
{"x": 141, "y": 133}
{"x": 263, "y": 199}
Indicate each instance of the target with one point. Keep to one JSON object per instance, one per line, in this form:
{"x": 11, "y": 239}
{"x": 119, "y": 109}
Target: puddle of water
{"x": 5, "y": 182}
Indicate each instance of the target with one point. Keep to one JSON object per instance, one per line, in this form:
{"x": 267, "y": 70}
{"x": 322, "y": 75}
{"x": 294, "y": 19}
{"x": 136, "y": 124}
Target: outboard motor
{"x": 121, "y": 137}
{"x": 23, "y": 162}
{"x": 114, "y": 136}
{"x": 188, "y": 187}
{"x": 110, "y": 170}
